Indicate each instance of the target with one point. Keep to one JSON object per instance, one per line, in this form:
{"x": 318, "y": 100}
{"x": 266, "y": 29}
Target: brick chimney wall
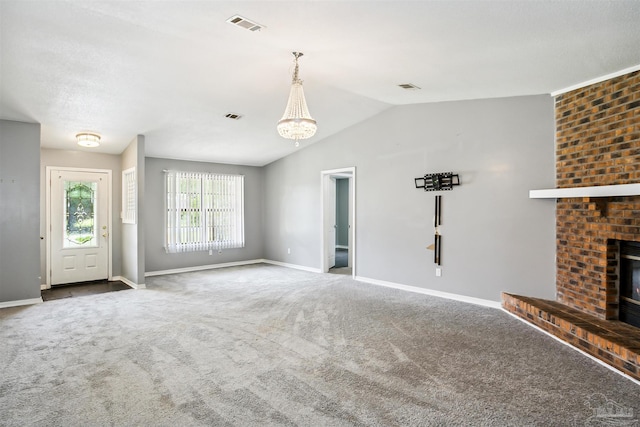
{"x": 597, "y": 143}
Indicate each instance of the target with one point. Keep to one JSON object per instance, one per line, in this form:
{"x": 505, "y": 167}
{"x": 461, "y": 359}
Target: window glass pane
{"x": 80, "y": 214}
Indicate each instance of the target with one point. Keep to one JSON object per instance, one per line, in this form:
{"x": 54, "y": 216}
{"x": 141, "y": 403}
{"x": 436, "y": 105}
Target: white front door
{"x": 79, "y": 221}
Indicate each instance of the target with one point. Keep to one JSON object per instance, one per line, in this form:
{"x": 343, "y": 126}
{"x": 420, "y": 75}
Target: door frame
{"x": 49, "y": 170}
{"x": 349, "y": 172}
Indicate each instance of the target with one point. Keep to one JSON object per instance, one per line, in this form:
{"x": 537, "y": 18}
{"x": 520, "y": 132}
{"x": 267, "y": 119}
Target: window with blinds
{"x": 129, "y": 196}
{"x": 204, "y": 211}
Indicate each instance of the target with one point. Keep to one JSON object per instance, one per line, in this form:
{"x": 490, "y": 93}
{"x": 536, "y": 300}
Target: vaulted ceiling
{"x": 172, "y": 70}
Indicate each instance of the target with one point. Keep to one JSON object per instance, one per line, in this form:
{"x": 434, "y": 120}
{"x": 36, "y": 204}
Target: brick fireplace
{"x": 597, "y": 144}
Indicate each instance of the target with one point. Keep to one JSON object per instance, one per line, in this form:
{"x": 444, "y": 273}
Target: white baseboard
{"x": 296, "y": 266}
{"x": 21, "y": 302}
{"x": 44, "y": 287}
{"x": 129, "y": 283}
{"x": 447, "y": 295}
{"x": 595, "y": 359}
{"x": 230, "y": 264}
{"x": 463, "y": 298}
{"x": 202, "y": 267}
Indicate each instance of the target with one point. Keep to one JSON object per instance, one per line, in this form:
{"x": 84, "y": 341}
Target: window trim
{"x": 226, "y": 192}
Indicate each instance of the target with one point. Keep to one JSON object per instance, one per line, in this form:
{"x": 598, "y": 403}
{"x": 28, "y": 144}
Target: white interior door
{"x": 79, "y": 220}
{"x": 349, "y": 243}
{"x": 330, "y": 220}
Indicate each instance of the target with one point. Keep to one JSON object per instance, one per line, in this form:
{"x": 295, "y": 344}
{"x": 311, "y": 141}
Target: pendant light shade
{"x": 296, "y": 122}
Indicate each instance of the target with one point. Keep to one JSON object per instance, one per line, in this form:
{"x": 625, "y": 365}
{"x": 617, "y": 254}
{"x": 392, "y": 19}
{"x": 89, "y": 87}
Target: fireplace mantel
{"x": 597, "y": 191}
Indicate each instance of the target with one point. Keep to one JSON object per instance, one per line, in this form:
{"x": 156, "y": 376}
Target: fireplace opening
{"x": 629, "y": 300}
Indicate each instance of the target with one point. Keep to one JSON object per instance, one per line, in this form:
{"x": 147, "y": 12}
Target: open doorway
{"x": 338, "y": 221}
{"x": 342, "y": 222}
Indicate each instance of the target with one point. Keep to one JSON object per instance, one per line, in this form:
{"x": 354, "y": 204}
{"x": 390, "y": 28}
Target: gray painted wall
{"x": 19, "y": 211}
{"x": 342, "y": 212}
{"x": 494, "y": 237}
{"x": 154, "y": 220}
{"x": 133, "y": 257}
{"x": 90, "y": 160}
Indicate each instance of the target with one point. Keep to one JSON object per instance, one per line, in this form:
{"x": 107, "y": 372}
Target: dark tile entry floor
{"x": 82, "y": 289}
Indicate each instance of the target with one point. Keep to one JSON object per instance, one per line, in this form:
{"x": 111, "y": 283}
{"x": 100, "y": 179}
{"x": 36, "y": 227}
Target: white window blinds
{"x": 129, "y": 196}
{"x": 204, "y": 211}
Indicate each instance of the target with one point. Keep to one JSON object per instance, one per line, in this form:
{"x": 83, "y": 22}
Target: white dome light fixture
{"x": 88, "y": 139}
{"x": 296, "y": 122}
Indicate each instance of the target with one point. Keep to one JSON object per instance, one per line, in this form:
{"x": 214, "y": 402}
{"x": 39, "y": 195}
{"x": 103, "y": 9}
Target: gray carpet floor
{"x": 265, "y": 345}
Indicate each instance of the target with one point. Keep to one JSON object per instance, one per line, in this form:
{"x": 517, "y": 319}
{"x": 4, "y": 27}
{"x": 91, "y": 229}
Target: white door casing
{"x": 330, "y": 220}
{"x": 349, "y": 240}
{"x": 79, "y": 225}
{"x": 328, "y": 210}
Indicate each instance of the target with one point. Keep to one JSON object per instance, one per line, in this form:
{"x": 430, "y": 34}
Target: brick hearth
{"x": 597, "y": 143}
{"x": 611, "y": 341}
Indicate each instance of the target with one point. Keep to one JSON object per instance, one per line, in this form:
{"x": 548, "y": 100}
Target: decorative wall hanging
{"x": 436, "y": 246}
{"x": 436, "y": 225}
{"x": 438, "y": 181}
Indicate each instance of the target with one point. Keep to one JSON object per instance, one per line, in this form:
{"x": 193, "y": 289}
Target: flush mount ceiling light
{"x": 296, "y": 122}
{"x": 87, "y": 139}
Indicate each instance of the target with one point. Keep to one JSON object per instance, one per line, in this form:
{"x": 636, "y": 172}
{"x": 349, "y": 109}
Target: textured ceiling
{"x": 171, "y": 70}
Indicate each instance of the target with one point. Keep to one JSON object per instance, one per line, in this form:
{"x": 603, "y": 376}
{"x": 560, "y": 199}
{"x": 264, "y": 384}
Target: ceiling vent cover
{"x": 409, "y": 86}
{"x": 233, "y": 116}
{"x": 245, "y": 23}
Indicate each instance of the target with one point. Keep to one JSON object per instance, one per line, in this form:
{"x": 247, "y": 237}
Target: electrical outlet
{"x": 210, "y": 251}
{"x": 438, "y": 272}
{"x": 289, "y": 251}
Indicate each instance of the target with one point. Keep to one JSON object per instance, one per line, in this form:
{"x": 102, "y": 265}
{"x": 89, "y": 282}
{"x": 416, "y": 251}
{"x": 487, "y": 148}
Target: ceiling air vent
{"x": 409, "y": 86}
{"x": 233, "y": 116}
{"x": 245, "y": 23}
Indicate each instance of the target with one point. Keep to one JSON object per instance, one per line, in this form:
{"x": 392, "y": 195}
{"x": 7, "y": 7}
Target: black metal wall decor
{"x": 438, "y": 181}
{"x": 437, "y": 244}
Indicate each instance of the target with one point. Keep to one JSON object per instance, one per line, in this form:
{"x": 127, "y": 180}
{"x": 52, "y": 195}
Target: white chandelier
{"x": 296, "y": 122}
